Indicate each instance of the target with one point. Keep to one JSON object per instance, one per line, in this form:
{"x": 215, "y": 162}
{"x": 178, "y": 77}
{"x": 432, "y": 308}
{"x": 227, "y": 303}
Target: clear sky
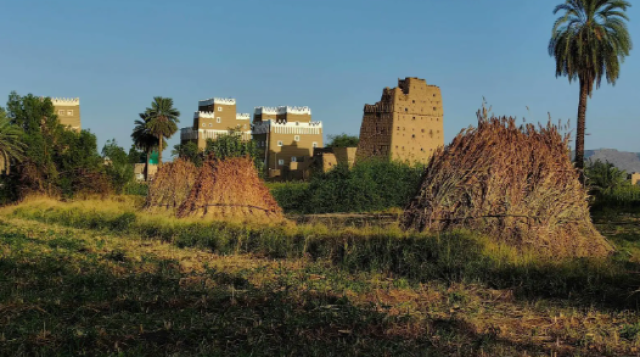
{"x": 333, "y": 56}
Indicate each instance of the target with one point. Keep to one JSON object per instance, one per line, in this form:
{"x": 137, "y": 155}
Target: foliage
{"x": 136, "y": 156}
{"x": 604, "y": 177}
{"x": 11, "y": 145}
{"x": 231, "y": 145}
{"x": 188, "y": 151}
{"x": 136, "y": 188}
{"x": 56, "y": 161}
{"x": 588, "y": 42}
{"x": 118, "y": 167}
{"x": 162, "y": 121}
{"x": 144, "y": 140}
{"x": 371, "y": 185}
{"x": 342, "y": 141}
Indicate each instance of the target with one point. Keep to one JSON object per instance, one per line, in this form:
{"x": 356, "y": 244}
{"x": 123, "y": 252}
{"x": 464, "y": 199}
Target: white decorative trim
{"x": 282, "y": 110}
{"x": 68, "y": 102}
{"x": 287, "y": 128}
{"x": 204, "y": 115}
{"x": 217, "y": 101}
{"x": 243, "y": 116}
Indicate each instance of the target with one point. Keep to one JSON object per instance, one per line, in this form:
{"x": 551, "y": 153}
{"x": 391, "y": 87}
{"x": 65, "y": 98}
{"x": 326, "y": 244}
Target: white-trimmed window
{"x": 219, "y": 109}
{"x": 244, "y": 126}
{"x": 210, "y": 125}
{"x": 296, "y": 138}
{"x": 294, "y": 159}
{"x": 280, "y": 162}
{"x": 69, "y": 112}
{"x": 280, "y": 143}
{"x": 204, "y": 125}
{"x": 60, "y": 112}
{"x": 218, "y": 120}
{"x": 315, "y": 144}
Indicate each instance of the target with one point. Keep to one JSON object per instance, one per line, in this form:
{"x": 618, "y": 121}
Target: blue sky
{"x": 333, "y": 56}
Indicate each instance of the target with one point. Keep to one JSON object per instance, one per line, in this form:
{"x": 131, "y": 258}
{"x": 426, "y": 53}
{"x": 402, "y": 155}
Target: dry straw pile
{"x": 171, "y": 185}
{"x": 230, "y": 189}
{"x": 513, "y": 183}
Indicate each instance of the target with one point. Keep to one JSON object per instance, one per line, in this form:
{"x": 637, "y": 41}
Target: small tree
{"x": 342, "y": 141}
{"x": 11, "y": 145}
{"x": 117, "y": 165}
{"x": 604, "y": 177}
{"x": 188, "y": 151}
{"x": 232, "y": 145}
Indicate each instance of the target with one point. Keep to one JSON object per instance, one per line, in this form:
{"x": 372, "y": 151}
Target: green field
{"x": 104, "y": 278}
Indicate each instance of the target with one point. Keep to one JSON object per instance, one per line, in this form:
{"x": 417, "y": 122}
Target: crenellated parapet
{"x": 243, "y": 116}
{"x": 283, "y": 110}
{"x": 65, "y": 102}
{"x": 217, "y": 101}
{"x": 204, "y": 115}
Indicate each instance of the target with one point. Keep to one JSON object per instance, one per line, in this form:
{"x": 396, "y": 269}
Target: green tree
{"x": 136, "y": 156}
{"x": 604, "y": 177}
{"x": 163, "y": 121}
{"x": 144, "y": 140}
{"x": 342, "y": 141}
{"x": 588, "y": 42}
{"x": 118, "y": 167}
{"x": 11, "y": 145}
{"x": 232, "y": 145}
{"x": 188, "y": 151}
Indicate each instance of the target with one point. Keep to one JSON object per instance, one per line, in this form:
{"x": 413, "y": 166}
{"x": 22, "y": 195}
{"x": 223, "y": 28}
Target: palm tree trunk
{"x": 160, "y": 152}
{"x": 146, "y": 165}
{"x": 582, "y": 116}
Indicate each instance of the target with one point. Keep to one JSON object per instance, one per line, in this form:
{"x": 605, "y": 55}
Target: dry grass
{"x": 228, "y": 189}
{"x": 513, "y": 183}
{"x": 171, "y": 185}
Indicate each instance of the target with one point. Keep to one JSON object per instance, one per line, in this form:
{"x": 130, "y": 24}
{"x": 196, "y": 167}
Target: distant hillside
{"x": 628, "y": 161}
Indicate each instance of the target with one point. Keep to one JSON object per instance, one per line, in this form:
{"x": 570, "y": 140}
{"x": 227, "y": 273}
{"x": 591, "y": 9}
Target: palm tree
{"x": 144, "y": 140}
{"x": 589, "y": 41}
{"x": 11, "y": 145}
{"x": 163, "y": 121}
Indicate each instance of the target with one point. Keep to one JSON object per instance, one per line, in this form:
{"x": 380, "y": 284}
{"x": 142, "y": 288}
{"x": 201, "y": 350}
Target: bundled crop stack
{"x": 171, "y": 185}
{"x": 230, "y": 188}
{"x": 513, "y": 183}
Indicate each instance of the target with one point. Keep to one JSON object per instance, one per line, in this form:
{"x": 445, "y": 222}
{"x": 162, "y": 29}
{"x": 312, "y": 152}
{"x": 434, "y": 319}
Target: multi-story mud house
{"x": 215, "y": 117}
{"x": 286, "y": 137}
{"x": 68, "y": 111}
{"x": 405, "y": 125}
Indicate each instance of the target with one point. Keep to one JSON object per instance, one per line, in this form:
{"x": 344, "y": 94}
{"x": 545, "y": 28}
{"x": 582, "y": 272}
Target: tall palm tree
{"x": 11, "y": 145}
{"x": 589, "y": 41}
{"x": 163, "y": 121}
{"x": 144, "y": 140}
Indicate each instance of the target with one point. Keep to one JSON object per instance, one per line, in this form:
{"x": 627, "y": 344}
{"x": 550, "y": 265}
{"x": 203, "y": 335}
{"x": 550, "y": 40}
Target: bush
{"x": 372, "y": 185}
{"x": 136, "y": 188}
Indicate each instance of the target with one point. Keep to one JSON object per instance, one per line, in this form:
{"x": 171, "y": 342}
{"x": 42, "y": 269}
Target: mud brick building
{"x": 215, "y": 117}
{"x": 286, "y": 137}
{"x": 68, "y": 112}
{"x": 405, "y": 125}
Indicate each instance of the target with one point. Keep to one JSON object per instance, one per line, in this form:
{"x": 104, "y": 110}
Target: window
{"x": 279, "y": 142}
{"x": 244, "y": 126}
{"x": 406, "y": 109}
{"x": 296, "y": 138}
{"x": 315, "y": 144}
{"x": 434, "y": 108}
{"x": 413, "y": 101}
{"x": 210, "y": 125}
{"x": 413, "y": 136}
{"x": 60, "y": 112}
{"x": 218, "y": 120}
{"x": 281, "y": 162}
{"x": 69, "y": 112}
{"x": 204, "y": 125}
{"x": 219, "y": 109}
{"x": 294, "y": 159}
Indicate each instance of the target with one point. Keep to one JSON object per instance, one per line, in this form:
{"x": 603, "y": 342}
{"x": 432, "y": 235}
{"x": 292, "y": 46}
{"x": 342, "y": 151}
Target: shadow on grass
{"x": 53, "y": 306}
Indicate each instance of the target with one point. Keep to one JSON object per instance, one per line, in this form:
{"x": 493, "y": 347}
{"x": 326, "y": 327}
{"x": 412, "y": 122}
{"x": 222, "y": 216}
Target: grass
{"x": 102, "y": 278}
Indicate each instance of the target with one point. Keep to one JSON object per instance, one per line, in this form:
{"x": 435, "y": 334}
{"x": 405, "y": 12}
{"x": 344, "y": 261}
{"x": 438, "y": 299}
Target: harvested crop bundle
{"x": 230, "y": 188}
{"x": 514, "y": 183}
{"x": 171, "y": 185}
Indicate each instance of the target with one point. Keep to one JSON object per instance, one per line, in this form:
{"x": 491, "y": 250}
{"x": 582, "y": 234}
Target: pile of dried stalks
{"x": 171, "y": 185}
{"x": 230, "y": 188}
{"x": 513, "y": 183}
